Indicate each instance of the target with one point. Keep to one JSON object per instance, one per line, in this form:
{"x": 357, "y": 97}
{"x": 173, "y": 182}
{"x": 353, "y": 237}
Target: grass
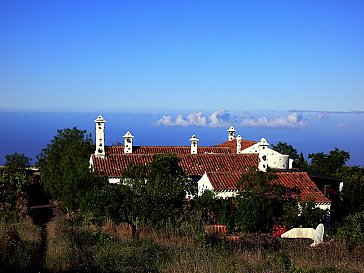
{"x": 110, "y": 249}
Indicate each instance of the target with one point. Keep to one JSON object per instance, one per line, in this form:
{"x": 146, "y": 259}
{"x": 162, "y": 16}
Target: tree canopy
{"x": 13, "y": 182}
{"x": 262, "y": 203}
{"x": 259, "y": 201}
{"x": 353, "y": 189}
{"x": 286, "y": 149}
{"x": 17, "y": 162}
{"x": 64, "y": 165}
{"x": 147, "y": 196}
{"x": 328, "y": 164}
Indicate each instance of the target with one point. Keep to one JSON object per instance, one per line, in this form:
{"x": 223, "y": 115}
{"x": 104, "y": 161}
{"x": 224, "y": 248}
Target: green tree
{"x": 13, "y": 182}
{"x": 352, "y": 229}
{"x": 260, "y": 202}
{"x": 17, "y": 162}
{"x": 286, "y": 149}
{"x": 148, "y": 196}
{"x": 64, "y": 166}
{"x": 353, "y": 189}
{"x": 302, "y": 163}
{"x": 328, "y": 164}
{"x": 310, "y": 215}
{"x": 211, "y": 209}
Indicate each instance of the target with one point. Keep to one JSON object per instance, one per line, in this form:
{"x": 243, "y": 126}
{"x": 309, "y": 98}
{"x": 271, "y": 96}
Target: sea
{"x": 29, "y": 132}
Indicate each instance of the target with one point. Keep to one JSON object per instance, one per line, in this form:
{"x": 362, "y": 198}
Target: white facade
{"x": 100, "y": 136}
{"x": 128, "y": 143}
{"x": 231, "y": 133}
{"x": 204, "y": 184}
{"x": 194, "y": 142}
{"x": 324, "y": 207}
{"x": 268, "y": 157}
{"x": 114, "y": 180}
{"x": 238, "y": 144}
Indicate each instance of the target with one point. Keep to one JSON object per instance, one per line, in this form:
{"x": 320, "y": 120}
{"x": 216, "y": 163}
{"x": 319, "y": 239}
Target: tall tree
{"x": 13, "y": 182}
{"x": 148, "y": 196}
{"x": 328, "y": 164}
{"x": 353, "y": 189}
{"x": 17, "y": 162}
{"x": 286, "y": 149}
{"x": 64, "y": 166}
{"x": 260, "y": 202}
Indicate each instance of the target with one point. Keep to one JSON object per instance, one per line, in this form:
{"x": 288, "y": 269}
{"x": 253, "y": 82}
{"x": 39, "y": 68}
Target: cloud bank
{"x": 294, "y": 120}
{"x": 222, "y": 118}
{"x": 218, "y": 118}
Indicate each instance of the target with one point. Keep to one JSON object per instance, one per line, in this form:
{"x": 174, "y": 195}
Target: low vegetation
{"x": 109, "y": 249}
{"x": 149, "y": 227}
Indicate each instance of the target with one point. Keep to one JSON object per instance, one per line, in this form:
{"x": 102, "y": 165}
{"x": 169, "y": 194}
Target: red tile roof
{"x": 308, "y": 191}
{"x": 231, "y": 144}
{"x": 193, "y": 164}
{"x": 224, "y": 181}
{"x": 180, "y": 150}
{"x": 223, "y": 166}
{"x": 302, "y": 181}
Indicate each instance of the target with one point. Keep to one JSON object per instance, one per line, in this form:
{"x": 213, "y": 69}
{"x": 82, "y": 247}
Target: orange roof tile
{"x": 231, "y": 144}
{"x": 304, "y": 184}
{"x": 193, "y": 164}
{"x": 180, "y": 150}
{"x": 225, "y": 181}
{"x": 308, "y": 191}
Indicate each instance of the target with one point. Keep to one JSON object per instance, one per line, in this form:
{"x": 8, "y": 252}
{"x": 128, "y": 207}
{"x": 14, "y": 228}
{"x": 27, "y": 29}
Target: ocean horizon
{"x": 307, "y": 131}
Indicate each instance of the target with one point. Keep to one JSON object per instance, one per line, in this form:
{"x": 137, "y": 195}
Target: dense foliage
{"x": 13, "y": 183}
{"x": 16, "y": 162}
{"x": 328, "y": 164}
{"x": 148, "y": 196}
{"x": 353, "y": 188}
{"x": 153, "y": 196}
{"x": 64, "y": 165}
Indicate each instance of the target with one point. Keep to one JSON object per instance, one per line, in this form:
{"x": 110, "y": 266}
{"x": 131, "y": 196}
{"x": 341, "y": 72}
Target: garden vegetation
{"x": 145, "y": 224}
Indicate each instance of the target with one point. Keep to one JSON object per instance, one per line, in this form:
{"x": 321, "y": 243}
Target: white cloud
{"x": 165, "y": 121}
{"x": 322, "y": 115}
{"x": 222, "y": 118}
{"x": 193, "y": 119}
{"x": 342, "y": 125}
{"x": 294, "y": 120}
{"x": 218, "y": 118}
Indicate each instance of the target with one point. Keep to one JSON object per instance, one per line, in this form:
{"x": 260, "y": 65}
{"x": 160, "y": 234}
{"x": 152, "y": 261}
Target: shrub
{"x": 352, "y": 229}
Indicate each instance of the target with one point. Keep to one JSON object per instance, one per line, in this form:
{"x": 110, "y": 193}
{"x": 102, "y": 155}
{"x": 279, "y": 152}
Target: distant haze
{"x": 308, "y": 132}
{"x": 190, "y": 55}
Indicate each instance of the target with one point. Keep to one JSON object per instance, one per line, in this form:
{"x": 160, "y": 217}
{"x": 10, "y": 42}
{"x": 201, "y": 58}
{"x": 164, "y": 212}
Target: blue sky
{"x": 288, "y": 71}
{"x": 308, "y": 132}
{"x": 175, "y": 56}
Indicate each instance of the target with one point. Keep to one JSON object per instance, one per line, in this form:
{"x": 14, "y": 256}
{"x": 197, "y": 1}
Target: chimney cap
{"x": 263, "y": 142}
{"x": 100, "y": 119}
{"x": 194, "y": 138}
{"x": 128, "y": 134}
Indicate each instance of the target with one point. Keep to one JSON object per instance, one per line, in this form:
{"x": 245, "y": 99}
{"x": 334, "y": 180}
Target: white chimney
{"x": 238, "y": 144}
{"x": 263, "y": 155}
{"x": 263, "y": 144}
{"x": 128, "y": 143}
{"x": 194, "y": 142}
{"x": 100, "y": 136}
{"x": 231, "y": 133}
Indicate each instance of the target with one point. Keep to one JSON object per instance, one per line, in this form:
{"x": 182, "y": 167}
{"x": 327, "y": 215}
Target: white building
{"x": 217, "y": 168}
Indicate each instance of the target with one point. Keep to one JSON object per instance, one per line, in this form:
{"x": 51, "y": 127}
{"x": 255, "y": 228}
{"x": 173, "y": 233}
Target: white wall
{"x": 273, "y": 159}
{"x": 203, "y": 185}
{"x": 114, "y": 180}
